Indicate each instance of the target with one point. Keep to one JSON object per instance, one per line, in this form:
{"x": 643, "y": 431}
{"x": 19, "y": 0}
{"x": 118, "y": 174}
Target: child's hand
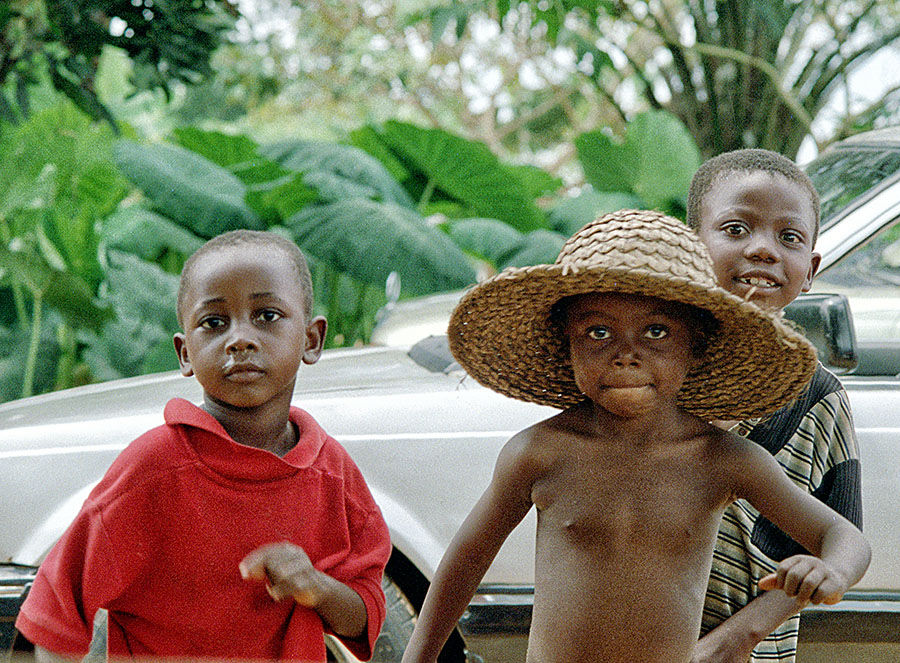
{"x": 807, "y": 578}
{"x": 287, "y": 571}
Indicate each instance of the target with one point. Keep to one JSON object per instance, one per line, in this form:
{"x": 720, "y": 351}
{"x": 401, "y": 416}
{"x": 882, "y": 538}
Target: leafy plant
{"x": 655, "y": 161}
{"x": 738, "y": 73}
{"x": 167, "y": 42}
{"x": 57, "y": 182}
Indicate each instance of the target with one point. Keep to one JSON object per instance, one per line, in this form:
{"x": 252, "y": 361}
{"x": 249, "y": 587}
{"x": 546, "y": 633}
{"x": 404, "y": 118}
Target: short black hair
{"x": 703, "y": 324}
{"x": 245, "y": 237}
{"x": 747, "y": 161}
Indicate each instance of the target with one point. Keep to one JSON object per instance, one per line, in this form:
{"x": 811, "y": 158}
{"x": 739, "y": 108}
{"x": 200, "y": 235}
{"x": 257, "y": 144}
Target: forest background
{"x": 407, "y": 147}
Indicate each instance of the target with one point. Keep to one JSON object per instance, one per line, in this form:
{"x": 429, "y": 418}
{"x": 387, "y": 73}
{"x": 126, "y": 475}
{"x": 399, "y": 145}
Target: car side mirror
{"x": 827, "y": 323}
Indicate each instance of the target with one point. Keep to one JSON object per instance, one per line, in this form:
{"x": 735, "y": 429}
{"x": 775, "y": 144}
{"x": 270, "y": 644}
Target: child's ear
{"x": 181, "y": 350}
{"x": 814, "y": 260}
{"x": 315, "y": 339}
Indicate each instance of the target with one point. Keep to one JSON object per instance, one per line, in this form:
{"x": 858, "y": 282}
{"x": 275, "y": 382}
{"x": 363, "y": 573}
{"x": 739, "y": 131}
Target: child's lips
{"x": 755, "y": 281}
{"x": 243, "y": 372}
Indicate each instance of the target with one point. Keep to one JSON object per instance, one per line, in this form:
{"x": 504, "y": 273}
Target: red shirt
{"x": 158, "y": 542}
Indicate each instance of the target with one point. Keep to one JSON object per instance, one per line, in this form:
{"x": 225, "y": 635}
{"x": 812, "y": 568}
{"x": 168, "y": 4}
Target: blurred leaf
{"x": 276, "y": 200}
{"x": 143, "y": 297}
{"x": 467, "y": 171}
{"x": 186, "y": 187}
{"x": 146, "y": 234}
{"x": 73, "y": 238}
{"x": 489, "y": 239}
{"x": 569, "y": 215}
{"x": 367, "y": 139}
{"x": 656, "y": 161}
{"x": 537, "y": 182}
{"x": 330, "y": 167}
{"x": 369, "y": 240}
{"x": 14, "y": 342}
{"x": 67, "y": 293}
{"x": 541, "y": 247}
{"x": 219, "y": 148}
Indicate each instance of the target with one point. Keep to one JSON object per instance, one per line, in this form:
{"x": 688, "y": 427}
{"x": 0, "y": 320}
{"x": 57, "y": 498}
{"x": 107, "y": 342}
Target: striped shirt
{"x": 814, "y": 442}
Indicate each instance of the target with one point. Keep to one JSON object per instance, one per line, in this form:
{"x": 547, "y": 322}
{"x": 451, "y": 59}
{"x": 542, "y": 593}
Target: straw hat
{"x": 501, "y": 331}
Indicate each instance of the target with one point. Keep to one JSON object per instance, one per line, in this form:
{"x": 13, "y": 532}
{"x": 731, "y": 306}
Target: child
{"x": 629, "y": 333}
{"x": 758, "y": 214}
{"x": 239, "y": 529}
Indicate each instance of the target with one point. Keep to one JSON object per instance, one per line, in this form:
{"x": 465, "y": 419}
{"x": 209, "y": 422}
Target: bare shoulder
{"x": 532, "y": 450}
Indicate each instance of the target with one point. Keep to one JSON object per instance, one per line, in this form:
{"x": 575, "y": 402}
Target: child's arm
{"x": 841, "y": 552}
{"x": 733, "y": 640}
{"x": 289, "y": 573}
{"x": 502, "y": 506}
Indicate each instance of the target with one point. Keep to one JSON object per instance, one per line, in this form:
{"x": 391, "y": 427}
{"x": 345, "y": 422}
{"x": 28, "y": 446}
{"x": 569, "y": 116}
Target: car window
{"x": 869, "y": 276}
{"x": 843, "y": 175}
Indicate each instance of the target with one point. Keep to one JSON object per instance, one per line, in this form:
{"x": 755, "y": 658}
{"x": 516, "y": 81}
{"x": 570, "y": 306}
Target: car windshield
{"x": 847, "y": 173}
{"x": 869, "y": 274}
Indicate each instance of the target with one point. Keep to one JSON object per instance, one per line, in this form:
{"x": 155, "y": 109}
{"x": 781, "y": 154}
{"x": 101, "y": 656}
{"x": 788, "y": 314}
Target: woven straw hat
{"x": 501, "y": 331}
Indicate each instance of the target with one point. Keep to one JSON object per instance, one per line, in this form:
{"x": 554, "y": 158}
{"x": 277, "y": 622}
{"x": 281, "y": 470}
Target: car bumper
{"x": 495, "y": 625}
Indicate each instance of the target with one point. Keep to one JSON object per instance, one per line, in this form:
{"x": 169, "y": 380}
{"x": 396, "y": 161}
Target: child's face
{"x": 245, "y": 326}
{"x": 759, "y": 230}
{"x": 630, "y": 353}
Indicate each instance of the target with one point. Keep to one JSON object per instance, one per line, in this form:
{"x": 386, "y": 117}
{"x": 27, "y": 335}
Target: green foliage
{"x": 655, "y": 161}
{"x": 444, "y": 167}
{"x": 187, "y": 188}
{"x": 90, "y": 266}
{"x": 139, "y": 339}
{"x": 56, "y": 184}
{"x": 368, "y": 240}
{"x": 738, "y": 73}
{"x": 569, "y": 215}
{"x": 167, "y": 42}
{"x": 502, "y": 246}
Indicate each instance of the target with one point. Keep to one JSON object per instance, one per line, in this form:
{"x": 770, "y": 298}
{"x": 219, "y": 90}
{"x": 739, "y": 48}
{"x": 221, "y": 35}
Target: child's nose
{"x": 626, "y": 354}
{"x": 241, "y": 339}
{"x": 760, "y": 247}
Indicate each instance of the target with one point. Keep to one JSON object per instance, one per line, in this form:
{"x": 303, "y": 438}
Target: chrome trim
{"x": 862, "y": 616}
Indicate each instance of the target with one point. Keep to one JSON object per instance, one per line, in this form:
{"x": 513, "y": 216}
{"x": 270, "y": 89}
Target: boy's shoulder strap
{"x": 775, "y": 431}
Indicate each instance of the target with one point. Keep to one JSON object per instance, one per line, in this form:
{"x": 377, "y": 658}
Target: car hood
{"x": 338, "y": 371}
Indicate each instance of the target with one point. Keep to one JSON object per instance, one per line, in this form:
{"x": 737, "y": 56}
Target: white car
{"x": 426, "y": 436}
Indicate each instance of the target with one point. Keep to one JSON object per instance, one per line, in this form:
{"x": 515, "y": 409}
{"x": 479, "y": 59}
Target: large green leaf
{"x": 367, "y": 139}
{"x": 541, "y": 247}
{"x": 139, "y": 340}
{"x": 222, "y": 149}
{"x": 186, "y": 187}
{"x": 369, "y": 240}
{"x": 489, "y": 239}
{"x": 469, "y": 172}
{"x": 569, "y": 215}
{"x": 361, "y": 173}
{"x": 655, "y": 161}
{"x": 66, "y": 292}
{"x": 146, "y": 234}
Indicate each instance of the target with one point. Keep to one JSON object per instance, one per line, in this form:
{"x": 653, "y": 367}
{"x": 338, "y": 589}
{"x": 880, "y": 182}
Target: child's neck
{"x": 266, "y": 427}
{"x": 645, "y": 430}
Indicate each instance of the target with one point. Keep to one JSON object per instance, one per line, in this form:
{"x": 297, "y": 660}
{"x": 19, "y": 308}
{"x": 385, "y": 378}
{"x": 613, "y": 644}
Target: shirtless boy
{"x": 629, "y": 333}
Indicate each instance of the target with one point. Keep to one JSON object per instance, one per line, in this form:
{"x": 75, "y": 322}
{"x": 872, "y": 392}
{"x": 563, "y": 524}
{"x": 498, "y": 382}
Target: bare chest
{"x": 616, "y": 504}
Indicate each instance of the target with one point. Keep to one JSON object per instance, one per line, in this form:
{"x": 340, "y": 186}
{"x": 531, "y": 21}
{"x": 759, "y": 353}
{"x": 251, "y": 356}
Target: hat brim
{"x": 502, "y": 334}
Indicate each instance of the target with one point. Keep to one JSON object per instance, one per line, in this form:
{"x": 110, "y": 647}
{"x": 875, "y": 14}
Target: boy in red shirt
{"x": 239, "y": 529}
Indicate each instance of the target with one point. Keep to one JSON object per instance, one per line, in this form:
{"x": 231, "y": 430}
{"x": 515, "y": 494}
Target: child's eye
{"x": 792, "y": 237}
{"x": 656, "y": 331}
{"x": 734, "y": 229}
{"x": 598, "y": 333}
{"x": 212, "y": 322}
{"x": 268, "y": 315}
